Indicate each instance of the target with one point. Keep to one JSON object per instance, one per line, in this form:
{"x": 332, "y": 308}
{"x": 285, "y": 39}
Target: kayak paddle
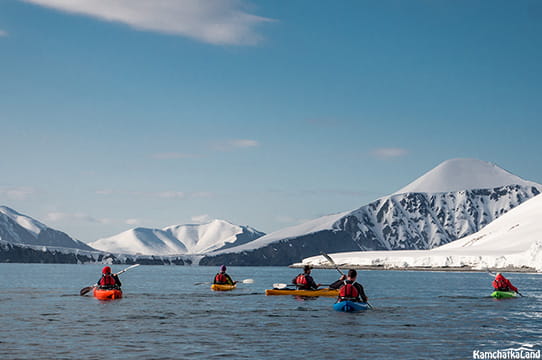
{"x": 339, "y": 270}
{"x": 245, "y": 281}
{"x": 281, "y": 286}
{"x": 85, "y": 290}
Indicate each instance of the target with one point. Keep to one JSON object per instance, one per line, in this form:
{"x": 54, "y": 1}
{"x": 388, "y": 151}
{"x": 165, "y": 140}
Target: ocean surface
{"x": 165, "y": 315}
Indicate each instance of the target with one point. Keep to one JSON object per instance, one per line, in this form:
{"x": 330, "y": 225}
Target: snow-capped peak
{"x": 461, "y": 174}
{"x": 32, "y": 225}
{"x": 178, "y": 239}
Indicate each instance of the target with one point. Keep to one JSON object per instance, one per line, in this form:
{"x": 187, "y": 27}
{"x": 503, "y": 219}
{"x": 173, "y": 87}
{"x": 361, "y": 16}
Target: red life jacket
{"x": 348, "y": 292}
{"x": 107, "y": 280}
{"x": 221, "y": 278}
{"x": 301, "y": 280}
{"x": 503, "y": 284}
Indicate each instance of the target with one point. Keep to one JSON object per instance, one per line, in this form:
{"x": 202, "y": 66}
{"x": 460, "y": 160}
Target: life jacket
{"x": 301, "y": 280}
{"x": 501, "y": 283}
{"x": 348, "y": 292}
{"x": 221, "y": 278}
{"x": 107, "y": 280}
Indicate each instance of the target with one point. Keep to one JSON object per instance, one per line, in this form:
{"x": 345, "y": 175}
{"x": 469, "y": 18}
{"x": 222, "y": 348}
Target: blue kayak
{"x": 350, "y": 306}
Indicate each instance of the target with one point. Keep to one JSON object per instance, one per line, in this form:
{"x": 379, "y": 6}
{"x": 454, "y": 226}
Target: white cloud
{"x": 3, "y": 33}
{"x": 104, "y": 192}
{"x": 199, "y": 219}
{"x": 236, "y": 144}
{"x": 171, "y": 195}
{"x": 173, "y": 155}
{"x": 132, "y": 222}
{"x": 17, "y": 193}
{"x": 62, "y": 216}
{"x": 388, "y": 153}
{"x": 212, "y": 21}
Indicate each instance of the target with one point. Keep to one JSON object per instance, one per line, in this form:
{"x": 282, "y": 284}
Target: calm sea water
{"x": 418, "y": 315}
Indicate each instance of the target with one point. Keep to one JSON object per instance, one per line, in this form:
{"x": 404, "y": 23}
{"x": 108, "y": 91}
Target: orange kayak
{"x": 222, "y": 287}
{"x": 112, "y": 294}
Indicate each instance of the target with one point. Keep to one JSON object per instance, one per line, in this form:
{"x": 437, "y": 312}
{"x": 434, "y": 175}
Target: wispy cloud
{"x": 132, "y": 222}
{"x": 236, "y": 144}
{"x": 173, "y": 155}
{"x": 222, "y": 22}
{"x": 3, "y": 33}
{"x": 62, "y": 216}
{"x": 171, "y": 195}
{"x": 104, "y": 192}
{"x": 200, "y": 219}
{"x": 389, "y": 153}
{"x": 17, "y": 193}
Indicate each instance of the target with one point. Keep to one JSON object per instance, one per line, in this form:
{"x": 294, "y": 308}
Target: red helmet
{"x": 106, "y": 270}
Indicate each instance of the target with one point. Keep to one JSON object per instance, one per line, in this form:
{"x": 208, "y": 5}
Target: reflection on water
{"x": 163, "y": 315}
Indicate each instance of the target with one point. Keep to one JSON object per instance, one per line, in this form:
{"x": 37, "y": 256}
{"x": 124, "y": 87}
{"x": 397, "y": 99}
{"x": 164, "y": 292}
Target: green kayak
{"x": 503, "y": 294}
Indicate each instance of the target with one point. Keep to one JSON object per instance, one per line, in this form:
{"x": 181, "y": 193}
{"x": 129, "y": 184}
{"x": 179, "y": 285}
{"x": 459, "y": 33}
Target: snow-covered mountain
{"x": 178, "y": 239}
{"x": 513, "y": 241}
{"x": 457, "y": 198}
{"x": 18, "y": 228}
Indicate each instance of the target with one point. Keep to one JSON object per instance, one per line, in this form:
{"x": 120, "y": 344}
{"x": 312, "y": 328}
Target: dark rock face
{"x": 14, "y": 253}
{"x": 407, "y": 221}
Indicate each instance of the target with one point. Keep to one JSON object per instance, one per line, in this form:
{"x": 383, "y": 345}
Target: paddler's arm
{"x": 362, "y": 295}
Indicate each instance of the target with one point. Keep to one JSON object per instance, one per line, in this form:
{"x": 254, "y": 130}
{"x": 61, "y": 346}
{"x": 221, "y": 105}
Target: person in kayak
{"x": 305, "y": 281}
{"x": 108, "y": 280}
{"x": 349, "y": 289}
{"x": 222, "y": 278}
{"x": 503, "y": 284}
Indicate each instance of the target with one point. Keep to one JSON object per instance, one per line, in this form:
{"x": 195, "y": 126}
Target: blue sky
{"x": 267, "y": 113}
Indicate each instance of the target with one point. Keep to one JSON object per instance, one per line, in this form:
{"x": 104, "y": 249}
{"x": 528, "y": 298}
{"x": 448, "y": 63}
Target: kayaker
{"x": 222, "y": 278}
{"x": 305, "y": 281}
{"x": 108, "y": 280}
{"x": 503, "y": 284}
{"x": 349, "y": 289}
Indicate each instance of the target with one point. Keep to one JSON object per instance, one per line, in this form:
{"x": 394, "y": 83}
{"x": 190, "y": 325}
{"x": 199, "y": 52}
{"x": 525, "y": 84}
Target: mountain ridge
{"x": 178, "y": 239}
{"x": 413, "y": 220}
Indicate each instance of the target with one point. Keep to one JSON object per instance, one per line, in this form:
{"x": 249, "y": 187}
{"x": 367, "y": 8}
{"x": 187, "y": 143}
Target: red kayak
{"x": 111, "y": 294}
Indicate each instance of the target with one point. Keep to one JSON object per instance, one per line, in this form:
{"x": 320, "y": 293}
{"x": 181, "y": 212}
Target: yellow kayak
{"x": 319, "y": 292}
{"x": 222, "y": 287}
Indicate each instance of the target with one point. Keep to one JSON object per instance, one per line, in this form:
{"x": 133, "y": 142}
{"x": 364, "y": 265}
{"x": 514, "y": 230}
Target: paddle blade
{"x": 85, "y": 290}
{"x": 280, "y": 286}
{"x": 128, "y": 268}
{"x": 248, "y": 281}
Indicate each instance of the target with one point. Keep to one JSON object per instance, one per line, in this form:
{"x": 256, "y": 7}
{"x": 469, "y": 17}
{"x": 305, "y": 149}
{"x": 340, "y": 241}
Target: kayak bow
{"x": 223, "y": 287}
{"x": 112, "y": 294}
{"x": 350, "y": 306}
{"x": 503, "y": 294}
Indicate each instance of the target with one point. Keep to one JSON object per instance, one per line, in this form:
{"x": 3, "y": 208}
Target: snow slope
{"x": 18, "y": 228}
{"x": 514, "y": 240}
{"x": 309, "y": 227}
{"x": 455, "y": 199}
{"x": 32, "y": 225}
{"x": 461, "y": 174}
{"x": 178, "y": 239}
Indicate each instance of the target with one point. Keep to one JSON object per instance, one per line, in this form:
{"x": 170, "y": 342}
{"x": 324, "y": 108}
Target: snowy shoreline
{"x": 523, "y": 269}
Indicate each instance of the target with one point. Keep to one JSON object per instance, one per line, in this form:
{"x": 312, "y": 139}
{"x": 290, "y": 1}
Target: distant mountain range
{"x": 179, "y": 239}
{"x": 457, "y": 198}
{"x": 24, "y": 239}
{"x": 511, "y": 242}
